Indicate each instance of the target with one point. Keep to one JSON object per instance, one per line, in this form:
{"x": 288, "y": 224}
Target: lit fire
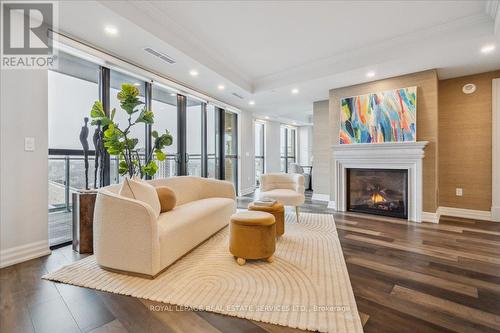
{"x": 377, "y": 197}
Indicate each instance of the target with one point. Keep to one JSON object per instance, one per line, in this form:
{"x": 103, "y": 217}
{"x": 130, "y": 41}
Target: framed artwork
{"x": 389, "y": 116}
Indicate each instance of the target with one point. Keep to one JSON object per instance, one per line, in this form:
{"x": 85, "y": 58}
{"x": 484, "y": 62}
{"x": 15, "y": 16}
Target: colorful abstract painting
{"x": 389, "y": 116}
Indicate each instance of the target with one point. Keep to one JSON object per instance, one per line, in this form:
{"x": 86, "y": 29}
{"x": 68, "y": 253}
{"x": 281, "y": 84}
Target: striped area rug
{"x": 306, "y": 287}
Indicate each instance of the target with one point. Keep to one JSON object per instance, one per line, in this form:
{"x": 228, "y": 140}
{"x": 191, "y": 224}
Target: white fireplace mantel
{"x": 401, "y": 155}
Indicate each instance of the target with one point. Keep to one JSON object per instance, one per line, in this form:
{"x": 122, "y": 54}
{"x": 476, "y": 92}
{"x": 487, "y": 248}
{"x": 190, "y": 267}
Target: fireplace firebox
{"x": 378, "y": 191}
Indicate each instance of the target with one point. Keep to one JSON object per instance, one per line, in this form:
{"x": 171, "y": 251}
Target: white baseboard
{"x": 466, "y": 213}
{"x": 246, "y": 191}
{"x": 430, "y": 217}
{"x": 495, "y": 214}
{"x": 22, "y": 253}
{"x": 331, "y": 205}
{"x": 320, "y": 197}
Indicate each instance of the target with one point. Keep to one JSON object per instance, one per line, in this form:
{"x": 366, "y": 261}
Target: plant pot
{"x": 83, "y": 220}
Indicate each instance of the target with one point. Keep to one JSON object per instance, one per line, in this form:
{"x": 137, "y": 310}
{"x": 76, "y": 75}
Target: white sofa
{"x": 282, "y": 187}
{"x": 129, "y": 238}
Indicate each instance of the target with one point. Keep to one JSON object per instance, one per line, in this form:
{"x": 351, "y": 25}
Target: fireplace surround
{"x": 394, "y": 156}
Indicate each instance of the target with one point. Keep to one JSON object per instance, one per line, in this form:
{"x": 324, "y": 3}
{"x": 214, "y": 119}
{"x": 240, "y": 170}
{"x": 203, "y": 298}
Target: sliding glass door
{"x": 211, "y": 141}
{"x": 287, "y": 147}
{"x": 231, "y": 147}
{"x": 194, "y": 138}
{"x": 164, "y": 107}
{"x": 259, "y": 151}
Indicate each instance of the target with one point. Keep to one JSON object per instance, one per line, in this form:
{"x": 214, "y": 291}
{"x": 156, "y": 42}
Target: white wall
{"x": 23, "y": 175}
{"x": 321, "y": 150}
{"x": 305, "y": 144}
{"x": 246, "y": 152}
{"x": 272, "y": 146}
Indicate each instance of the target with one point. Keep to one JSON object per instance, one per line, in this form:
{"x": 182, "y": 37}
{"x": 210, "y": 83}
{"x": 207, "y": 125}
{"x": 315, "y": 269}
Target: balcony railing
{"x": 67, "y": 174}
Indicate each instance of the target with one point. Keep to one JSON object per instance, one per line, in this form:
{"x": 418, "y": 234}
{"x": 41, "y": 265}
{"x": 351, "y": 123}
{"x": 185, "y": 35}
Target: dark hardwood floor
{"x": 407, "y": 277}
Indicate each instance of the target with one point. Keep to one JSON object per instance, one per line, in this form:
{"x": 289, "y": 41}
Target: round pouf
{"x": 277, "y": 210}
{"x": 252, "y": 235}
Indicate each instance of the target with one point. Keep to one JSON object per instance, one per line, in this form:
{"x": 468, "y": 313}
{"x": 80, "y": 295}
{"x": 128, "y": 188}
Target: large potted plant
{"x": 117, "y": 139}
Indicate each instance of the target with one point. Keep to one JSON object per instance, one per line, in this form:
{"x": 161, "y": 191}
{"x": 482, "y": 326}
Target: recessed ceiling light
{"x": 267, "y": 117}
{"x": 370, "y": 74}
{"x": 251, "y": 102}
{"x": 488, "y": 48}
{"x": 193, "y": 72}
{"x": 221, "y": 87}
{"x": 295, "y": 91}
{"x": 173, "y": 94}
{"x": 111, "y": 30}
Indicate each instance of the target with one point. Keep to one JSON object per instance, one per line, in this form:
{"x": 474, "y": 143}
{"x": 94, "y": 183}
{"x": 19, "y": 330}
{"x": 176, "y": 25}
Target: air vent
{"x": 236, "y": 95}
{"x": 160, "y": 55}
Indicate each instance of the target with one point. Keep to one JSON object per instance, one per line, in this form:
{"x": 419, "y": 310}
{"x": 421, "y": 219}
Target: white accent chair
{"x": 130, "y": 238}
{"x": 286, "y": 188}
{"x": 296, "y": 168}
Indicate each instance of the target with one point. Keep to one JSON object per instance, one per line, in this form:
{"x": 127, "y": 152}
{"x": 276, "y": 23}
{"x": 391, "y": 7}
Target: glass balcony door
{"x": 194, "y": 137}
{"x": 259, "y": 151}
{"x": 231, "y": 147}
{"x": 287, "y": 147}
{"x": 164, "y": 107}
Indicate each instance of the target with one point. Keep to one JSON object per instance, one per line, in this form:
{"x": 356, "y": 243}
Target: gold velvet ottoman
{"x": 252, "y": 235}
{"x": 278, "y": 211}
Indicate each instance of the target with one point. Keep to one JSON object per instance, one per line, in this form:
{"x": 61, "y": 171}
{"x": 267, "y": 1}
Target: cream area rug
{"x": 306, "y": 287}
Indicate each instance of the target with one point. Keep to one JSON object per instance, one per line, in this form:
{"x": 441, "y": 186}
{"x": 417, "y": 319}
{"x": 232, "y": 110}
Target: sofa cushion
{"x": 189, "y": 224}
{"x": 138, "y": 189}
{"x": 167, "y": 198}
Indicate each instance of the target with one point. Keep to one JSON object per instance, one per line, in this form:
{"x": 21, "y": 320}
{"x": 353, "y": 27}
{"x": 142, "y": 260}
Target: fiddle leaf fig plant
{"x": 117, "y": 140}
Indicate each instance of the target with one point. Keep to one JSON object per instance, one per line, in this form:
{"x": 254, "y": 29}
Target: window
{"x": 211, "y": 142}
{"x": 259, "y": 150}
{"x": 164, "y": 107}
{"x": 291, "y": 147}
{"x": 138, "y": 131}
{"x": 193, "y": 136}
{"x": 78, "y": 80}
{"x": 287, "y": 147}
{"x": 231, "y": 147}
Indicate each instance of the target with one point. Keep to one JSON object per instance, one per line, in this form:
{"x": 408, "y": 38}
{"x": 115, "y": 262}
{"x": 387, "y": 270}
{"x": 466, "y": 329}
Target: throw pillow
{"x": 138, "y": 189}
{"x": 167, "y": 198}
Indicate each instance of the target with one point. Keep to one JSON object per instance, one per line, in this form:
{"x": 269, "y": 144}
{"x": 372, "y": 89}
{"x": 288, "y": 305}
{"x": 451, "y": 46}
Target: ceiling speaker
{"x": 469, "y": 88}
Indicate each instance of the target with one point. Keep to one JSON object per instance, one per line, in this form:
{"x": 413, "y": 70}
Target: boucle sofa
{"x": 129, "y": 238}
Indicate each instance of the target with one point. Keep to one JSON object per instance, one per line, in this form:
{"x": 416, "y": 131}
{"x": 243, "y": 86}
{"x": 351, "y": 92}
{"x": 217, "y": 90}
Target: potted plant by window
{"x": 117, "y": 137}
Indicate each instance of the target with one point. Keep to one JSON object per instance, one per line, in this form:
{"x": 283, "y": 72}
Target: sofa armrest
{"x": 214, "y": 188}
{"x": 125, "y": 234}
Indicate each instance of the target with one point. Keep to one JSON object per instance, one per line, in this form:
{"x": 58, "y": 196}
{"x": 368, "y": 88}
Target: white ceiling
{"x": 263, "y": 49}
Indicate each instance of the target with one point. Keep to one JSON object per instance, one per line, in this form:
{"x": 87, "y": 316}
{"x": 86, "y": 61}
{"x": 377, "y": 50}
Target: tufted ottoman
{"x": 252, "y": 235}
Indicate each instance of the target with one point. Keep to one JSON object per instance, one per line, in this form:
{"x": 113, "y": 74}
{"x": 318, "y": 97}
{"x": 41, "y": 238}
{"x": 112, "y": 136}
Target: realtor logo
{"x": 25, "y": 34}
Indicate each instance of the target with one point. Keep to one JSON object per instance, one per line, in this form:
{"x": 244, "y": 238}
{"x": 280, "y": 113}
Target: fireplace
{"x": 378, "y": 191}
